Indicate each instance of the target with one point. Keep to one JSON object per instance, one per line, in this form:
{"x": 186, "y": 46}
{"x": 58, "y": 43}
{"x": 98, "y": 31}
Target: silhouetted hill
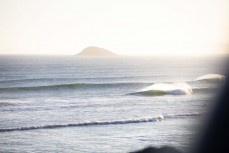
{"x": 95, "y": 51}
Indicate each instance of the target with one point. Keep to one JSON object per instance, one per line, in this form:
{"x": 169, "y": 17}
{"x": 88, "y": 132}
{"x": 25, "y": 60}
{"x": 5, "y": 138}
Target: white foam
{"x": 169, "y": 88}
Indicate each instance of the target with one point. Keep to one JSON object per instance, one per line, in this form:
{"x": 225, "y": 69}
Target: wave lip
{"x": 211, "y": 78}
{"x": 92, "y": 123}
{"x": 158, "y": 89}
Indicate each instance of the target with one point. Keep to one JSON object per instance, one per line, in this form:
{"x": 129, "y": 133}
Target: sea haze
{"x": 103, "y": 104}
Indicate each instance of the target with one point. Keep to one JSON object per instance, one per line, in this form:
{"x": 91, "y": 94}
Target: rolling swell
{"x": 74, "y": 78}
{"x": 154, "y": 92}
{"x": 114, "y": 122}
{"x": 135, "y": 120}
{"x": 70, "y": 86}
{"x": 156, "y": 88}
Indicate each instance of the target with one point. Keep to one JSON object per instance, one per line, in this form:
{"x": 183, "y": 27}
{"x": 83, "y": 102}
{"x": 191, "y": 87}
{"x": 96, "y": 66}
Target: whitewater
{"x": 79, "y": 104}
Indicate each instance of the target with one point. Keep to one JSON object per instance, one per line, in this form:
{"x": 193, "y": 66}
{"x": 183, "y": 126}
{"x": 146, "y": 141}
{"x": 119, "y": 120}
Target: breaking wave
{"x": 211, "y": 78}
{"x": 114, "y": 122}
{"x": 166, "y": 88}
{"x": 196, "y": 86}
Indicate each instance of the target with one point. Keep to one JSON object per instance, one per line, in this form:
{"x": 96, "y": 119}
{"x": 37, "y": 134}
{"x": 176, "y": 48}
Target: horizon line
{"x": 117, "y": 55}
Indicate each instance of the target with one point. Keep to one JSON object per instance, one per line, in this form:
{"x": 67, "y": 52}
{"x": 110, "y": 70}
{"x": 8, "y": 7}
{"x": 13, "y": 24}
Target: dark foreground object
{"x": 158, "y": 150}
{"x": 215, "y": 135}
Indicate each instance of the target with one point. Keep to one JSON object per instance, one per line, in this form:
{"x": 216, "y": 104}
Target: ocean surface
{"x": 97, "y": 104}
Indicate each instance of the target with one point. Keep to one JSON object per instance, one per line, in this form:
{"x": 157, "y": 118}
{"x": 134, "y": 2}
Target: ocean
{"x": 104, "y": 104}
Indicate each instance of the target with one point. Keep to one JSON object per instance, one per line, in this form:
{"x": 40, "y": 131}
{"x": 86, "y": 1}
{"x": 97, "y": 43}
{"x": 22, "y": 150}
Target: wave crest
{"x": 166, "y": 88}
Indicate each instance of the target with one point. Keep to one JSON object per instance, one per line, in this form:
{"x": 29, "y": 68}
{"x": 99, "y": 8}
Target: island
{"x": 95, "y": 51}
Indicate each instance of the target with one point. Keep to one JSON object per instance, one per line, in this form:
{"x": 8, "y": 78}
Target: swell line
{"x": 152, "y": 119}
{"x": 98, "y": 123}
{"x": 79, "y": 78}
{"x": 73, "y": 85}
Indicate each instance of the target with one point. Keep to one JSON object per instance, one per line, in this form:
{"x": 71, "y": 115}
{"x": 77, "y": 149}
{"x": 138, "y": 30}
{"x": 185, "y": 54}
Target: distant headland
{"x": 95, "y": 51}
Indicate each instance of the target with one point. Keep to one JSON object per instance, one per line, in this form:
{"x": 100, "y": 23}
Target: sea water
{"x": 103, "y": 104}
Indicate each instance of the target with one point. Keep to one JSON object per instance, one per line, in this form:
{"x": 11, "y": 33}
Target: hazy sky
{"x": 129, "y": 27}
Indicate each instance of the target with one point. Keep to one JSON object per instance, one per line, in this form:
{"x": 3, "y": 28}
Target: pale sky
{"x": 126, "y": 27}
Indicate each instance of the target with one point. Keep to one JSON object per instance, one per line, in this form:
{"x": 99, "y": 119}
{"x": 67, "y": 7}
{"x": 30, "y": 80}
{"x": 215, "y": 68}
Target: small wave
{"x": 94, "y": 123}
{"x": 205, "y": 89}
{"x": 29, "y": 80}
{"x": 185, "y": 115}
{"x": 78, "y": 78}
{"x": 158, "y": 89}
{"x": 211, "y": 78}
{"x": 3, "y": 104}
{"x": 135, "y": 120}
